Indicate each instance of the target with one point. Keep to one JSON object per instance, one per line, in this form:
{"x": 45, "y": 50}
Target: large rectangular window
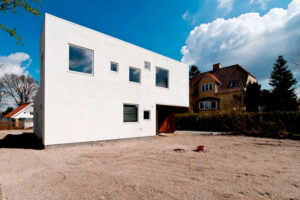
{"x": 130, "y": 113}
{"x": 81, "y": 59}
{"x": 208, "y": 105}
{"x": 134, "y": 75}
{"x": 162, "y": 77}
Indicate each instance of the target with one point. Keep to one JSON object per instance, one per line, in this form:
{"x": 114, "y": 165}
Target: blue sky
{"x": 169, "y": 27}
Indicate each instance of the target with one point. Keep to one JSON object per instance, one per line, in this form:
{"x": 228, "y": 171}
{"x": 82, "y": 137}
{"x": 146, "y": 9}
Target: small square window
{"x": 147, "y": 65}
{"x": 146, "y": 114}
{"x": 114, "y": 67}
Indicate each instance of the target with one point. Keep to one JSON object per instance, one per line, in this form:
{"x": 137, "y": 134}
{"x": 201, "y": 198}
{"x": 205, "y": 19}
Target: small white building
{"x": 24, "y": 111}
{"x": 96, "y": 87}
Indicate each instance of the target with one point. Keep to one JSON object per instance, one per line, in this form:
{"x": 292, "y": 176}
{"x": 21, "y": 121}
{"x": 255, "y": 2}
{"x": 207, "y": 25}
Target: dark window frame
{"x": 137, "y": 113}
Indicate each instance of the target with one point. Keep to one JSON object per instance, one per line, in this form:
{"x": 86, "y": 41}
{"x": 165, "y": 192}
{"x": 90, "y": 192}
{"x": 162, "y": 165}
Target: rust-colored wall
{"x": 166, "y": 120}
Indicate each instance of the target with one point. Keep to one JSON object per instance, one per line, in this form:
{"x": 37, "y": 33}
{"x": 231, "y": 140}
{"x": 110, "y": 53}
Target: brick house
{"x": 219, "y": 89}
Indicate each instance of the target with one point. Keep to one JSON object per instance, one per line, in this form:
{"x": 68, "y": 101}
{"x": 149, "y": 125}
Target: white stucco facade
{"x": 75, "y": 107}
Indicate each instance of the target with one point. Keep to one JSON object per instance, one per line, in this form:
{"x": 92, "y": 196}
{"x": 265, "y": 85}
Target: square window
{"x": 130, "y": 113}
{"x": 146, "y": 114}
{"x": 162, "y": 77}
{"x": 81, "y": 59}
{"x": 134, "y": 75}
{"x": 114, "y": 67}
{"x": 147, "y": 65}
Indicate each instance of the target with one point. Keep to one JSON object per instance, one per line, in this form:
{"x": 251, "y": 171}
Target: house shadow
{"x": 21, "y": 141}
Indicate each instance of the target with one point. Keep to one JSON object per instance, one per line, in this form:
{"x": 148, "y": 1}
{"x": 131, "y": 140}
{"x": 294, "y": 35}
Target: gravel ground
{"x": 231, "y": 167}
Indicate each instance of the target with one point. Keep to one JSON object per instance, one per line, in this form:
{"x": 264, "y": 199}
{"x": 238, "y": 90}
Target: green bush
{"x": 269, "y": 124}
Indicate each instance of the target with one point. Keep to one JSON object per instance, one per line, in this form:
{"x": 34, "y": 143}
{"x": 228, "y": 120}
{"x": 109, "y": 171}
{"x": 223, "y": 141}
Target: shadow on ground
{"x": 21, "y": 141}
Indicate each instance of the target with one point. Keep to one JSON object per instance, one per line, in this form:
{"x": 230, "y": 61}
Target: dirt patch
{"x": 231, "y": 167}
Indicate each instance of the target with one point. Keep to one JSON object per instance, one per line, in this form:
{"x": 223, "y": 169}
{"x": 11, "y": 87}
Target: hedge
{"x": 269, "y": 124}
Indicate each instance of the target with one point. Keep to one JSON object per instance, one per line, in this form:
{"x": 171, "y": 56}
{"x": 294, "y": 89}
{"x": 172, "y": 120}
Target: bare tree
{"x": 20, "y": 88}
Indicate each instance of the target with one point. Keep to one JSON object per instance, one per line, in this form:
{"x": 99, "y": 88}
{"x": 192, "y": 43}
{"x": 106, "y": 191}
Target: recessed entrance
{"x": 165, "y": 119}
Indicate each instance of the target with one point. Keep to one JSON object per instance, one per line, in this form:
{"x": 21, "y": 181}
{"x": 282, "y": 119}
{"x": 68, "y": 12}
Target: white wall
{"x": 80, "y": 107}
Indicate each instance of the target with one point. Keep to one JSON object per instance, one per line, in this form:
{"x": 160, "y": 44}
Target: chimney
{"x": 216, "y": 66}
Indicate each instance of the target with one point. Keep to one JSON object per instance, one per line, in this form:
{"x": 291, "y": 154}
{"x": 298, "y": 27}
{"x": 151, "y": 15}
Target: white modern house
{"x": 96, "y": 87}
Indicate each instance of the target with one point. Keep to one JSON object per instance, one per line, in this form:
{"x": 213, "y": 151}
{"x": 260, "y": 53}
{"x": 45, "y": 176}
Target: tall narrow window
{"x": 130, "y": 113}
{"x": 162, "y": 77}
{"x": 81, "y": 59}
{"x": 134, "y": 75}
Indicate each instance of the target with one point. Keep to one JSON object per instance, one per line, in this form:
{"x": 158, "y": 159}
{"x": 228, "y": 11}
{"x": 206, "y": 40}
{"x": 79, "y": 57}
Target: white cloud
{"x": 262, "y": 3}
{"x": 14, "y": 63}
{"x": 251, "y": 40}
{"x": 225, "y": 4}
{"x": 185, "y": 15}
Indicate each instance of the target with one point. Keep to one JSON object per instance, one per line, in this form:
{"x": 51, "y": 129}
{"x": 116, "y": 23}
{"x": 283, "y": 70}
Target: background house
{"x": 22, "y": 116}
{"x": 96, "y": 87}
{"x": 219, "y": 89}
{"x": 24, "y": 111}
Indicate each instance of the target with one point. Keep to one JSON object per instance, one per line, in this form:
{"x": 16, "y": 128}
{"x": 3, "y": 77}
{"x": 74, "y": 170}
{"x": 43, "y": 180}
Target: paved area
{"x": 232, "y": 167}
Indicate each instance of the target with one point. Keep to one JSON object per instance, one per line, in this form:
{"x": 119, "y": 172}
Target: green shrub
{"x": 269, "y": 124}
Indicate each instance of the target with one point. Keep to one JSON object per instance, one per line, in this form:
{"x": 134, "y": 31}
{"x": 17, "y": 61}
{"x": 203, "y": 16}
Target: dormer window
{"x": 206, "y": 87}
{"x": 233, "y": 84}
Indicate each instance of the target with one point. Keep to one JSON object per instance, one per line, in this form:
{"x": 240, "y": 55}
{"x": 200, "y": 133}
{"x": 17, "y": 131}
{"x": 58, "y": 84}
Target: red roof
{"x": 225, "y": 75}
{"x": 15, "y": 111}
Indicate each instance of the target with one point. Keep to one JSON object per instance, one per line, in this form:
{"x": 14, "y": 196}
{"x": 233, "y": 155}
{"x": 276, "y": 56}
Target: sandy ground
{"x": 232, "y": 167}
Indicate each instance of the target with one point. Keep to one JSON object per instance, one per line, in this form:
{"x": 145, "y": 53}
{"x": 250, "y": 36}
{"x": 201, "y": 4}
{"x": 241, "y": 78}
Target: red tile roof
{"x": 15, "y": 111}
{"x": 225, "y": 75}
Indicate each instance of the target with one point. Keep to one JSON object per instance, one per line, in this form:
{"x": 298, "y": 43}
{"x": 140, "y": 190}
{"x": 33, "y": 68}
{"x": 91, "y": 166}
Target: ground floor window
{"x": 146, "y": 114}
{"x": 208, "y": 105}
{"x": 130, "y": 113}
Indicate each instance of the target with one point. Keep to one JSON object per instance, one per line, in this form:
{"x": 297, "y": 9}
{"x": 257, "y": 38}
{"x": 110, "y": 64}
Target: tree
{"x": 20, "y": 88}
{"x": 266, "y": 100}
{"x": 8, "y": 110}
{"x": 193, "y": 71}
{"x": 8, "y": 6}
{"x": 252, "y": 97}
{"x": 283, "y": 82}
